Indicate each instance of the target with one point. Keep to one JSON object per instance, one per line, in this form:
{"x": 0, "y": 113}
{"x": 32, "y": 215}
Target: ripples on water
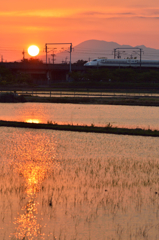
{"x": 65, "y": 185}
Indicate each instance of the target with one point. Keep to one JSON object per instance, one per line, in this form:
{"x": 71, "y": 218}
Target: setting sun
{"x": 33, "y": 50}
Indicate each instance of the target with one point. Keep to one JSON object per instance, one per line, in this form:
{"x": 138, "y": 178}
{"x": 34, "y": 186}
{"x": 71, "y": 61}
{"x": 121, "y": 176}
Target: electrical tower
{"x": 46, "y": 49}
{"x": 117, "y": 52}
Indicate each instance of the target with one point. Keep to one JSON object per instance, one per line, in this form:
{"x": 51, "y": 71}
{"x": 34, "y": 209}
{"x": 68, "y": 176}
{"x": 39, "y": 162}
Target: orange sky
{"x": 23, "y": 23}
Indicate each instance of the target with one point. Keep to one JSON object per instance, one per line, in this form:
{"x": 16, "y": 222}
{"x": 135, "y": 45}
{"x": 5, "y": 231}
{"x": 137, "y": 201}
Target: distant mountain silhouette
{"x": 91, "y": 49}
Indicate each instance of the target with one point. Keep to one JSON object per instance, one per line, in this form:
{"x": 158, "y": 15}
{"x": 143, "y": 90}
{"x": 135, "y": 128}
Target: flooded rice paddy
{"x": 99, "y": 115}
{"x": 67, "y": 185}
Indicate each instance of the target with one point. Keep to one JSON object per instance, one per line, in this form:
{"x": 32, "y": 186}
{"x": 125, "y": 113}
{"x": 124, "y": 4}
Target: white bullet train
{"x": 104, "y": 62}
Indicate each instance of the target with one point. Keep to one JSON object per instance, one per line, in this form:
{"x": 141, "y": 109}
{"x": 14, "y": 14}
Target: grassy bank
{"x": 107, "y": 129}
{"x": 130, "y": 101}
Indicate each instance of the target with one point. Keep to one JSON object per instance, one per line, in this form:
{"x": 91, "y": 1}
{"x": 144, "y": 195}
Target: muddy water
{"x": 65, "y": 185}
{"x": 100, "y": 115}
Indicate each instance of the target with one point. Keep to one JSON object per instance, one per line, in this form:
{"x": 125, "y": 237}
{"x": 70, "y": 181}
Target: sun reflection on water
{"x": 105, "y": 187}
{"x": 32, "y": 121}
{"x": 27, "y": 226}
{"x": 32, "y": 162}
{"x": 33, "y": 173}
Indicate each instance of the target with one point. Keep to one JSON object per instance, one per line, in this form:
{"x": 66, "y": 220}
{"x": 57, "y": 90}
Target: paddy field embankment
{"x": 136, "y": 99}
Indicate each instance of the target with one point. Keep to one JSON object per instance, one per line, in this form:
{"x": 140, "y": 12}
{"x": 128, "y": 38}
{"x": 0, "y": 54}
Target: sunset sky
{"x": 23, "y": 23}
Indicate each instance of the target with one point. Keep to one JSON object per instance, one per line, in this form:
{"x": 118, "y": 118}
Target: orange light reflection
{"x": 27, "y": 226}
{"x": 32, "y": 121}
{"x": 34, "y": 173}
{"x": 33, "y": 167}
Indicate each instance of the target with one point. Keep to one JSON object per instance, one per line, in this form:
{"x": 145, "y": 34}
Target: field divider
{"x": 109, "y": 129}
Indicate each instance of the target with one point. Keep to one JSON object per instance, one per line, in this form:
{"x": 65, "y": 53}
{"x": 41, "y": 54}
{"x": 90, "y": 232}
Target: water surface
{"x": 99, "y": 115}
{"x": 66, "y": 185}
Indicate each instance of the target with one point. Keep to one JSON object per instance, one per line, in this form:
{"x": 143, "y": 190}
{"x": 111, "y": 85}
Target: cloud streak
{"x": 39, "y": 13}
{"x": 77, "y": 13}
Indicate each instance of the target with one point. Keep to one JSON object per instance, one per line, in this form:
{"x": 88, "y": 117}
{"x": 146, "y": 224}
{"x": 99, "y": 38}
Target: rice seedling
{"x": 81, "y": 188}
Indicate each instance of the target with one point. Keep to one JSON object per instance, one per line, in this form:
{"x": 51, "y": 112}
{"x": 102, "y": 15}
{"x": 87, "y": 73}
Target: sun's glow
{"x": 32, "y": 121}
{"x": 33, "y": 50}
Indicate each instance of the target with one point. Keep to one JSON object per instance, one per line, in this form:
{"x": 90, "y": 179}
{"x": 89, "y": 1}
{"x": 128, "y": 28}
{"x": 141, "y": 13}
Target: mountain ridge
{"x": 90, "y": 49}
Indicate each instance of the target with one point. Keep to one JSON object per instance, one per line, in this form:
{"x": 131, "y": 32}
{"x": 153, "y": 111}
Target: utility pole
{"x": 66, "y": 59}
{"x": 140, "y": 57}
{"x": 114, "y": 53}
{"x": 70, "y": 55}
{"x": 46, "y": 51}
{"x": 23, "y": 54}
{"x": 118, "y": 55}
{"x": 53, "y": 57}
